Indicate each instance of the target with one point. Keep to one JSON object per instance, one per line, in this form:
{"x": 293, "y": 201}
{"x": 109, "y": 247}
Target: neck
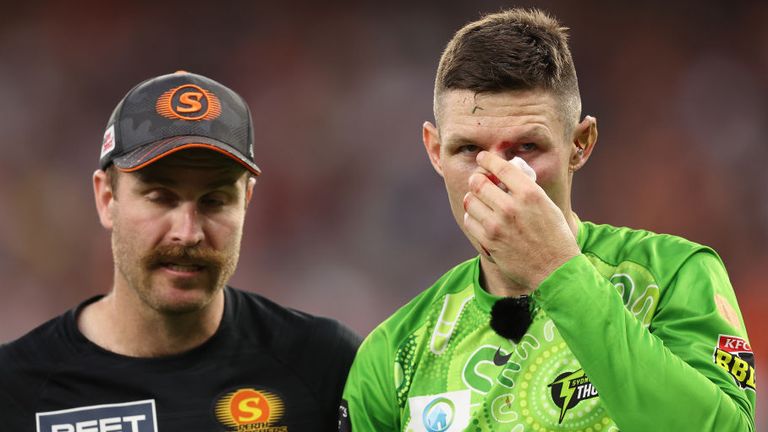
{"x": 118, "y": 324}
{"x": 493, "y": 280}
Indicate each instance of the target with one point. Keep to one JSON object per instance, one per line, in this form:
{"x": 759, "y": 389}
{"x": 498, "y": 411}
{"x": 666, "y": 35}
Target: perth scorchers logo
{"x": 734, "y": 354}
{"x": 188, "y": 102}
{"x": 248, "y": 409}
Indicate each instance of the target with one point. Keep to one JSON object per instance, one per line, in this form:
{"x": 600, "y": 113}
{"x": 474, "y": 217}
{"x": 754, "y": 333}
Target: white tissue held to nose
{"x": 520, "y": 162}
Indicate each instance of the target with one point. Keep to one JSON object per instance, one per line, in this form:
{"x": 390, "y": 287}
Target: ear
{"x": 104, "y": 196}
{"x": 431, "y": 138}
{"x": 584, "y": 140}
{"x": 249, "y": 189}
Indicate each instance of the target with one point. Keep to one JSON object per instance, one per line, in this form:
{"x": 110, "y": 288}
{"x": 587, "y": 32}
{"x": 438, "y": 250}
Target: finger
{"x": 509, "y": 174}
{"x": 475, "y": 230}
{"x": 476, "y": 208}
{"x": 492, "y": 223}
{"x": 489, "y": 194}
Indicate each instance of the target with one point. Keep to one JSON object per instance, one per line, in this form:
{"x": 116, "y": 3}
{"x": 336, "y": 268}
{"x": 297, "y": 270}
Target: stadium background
{"x": 349, "y": 220}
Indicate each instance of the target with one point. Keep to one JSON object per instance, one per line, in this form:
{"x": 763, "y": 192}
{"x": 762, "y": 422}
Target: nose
{"x": 187, "y": 229}
{"x": 506, "y": 152}
{"x": 503, "y": 151}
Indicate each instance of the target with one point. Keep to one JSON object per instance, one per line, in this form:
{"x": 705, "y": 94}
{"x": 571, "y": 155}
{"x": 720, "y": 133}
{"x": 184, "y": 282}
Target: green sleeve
{"x": 663, "y": 377}
{"x": 369, "y": 392}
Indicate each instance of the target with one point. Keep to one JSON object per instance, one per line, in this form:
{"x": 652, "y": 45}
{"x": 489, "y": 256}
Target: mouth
{"x": 182, "y": 263}
{"x": 187, "y": 268}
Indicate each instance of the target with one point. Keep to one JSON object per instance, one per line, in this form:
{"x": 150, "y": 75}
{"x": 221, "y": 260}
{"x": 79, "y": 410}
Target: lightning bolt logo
{"x": 565, "y": 386}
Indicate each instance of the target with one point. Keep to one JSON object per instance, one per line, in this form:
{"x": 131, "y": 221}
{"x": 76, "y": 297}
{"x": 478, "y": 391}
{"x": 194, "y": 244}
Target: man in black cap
{"x": 171, "y": 347}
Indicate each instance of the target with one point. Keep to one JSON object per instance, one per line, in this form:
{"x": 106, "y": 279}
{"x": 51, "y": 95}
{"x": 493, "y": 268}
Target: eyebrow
{"x": 458, "y": 140}
{"x": 534, "y": 133}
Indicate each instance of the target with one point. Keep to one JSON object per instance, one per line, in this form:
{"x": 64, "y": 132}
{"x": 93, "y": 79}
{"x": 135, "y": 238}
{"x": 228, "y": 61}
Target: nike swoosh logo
{"x": 500, "y": 360}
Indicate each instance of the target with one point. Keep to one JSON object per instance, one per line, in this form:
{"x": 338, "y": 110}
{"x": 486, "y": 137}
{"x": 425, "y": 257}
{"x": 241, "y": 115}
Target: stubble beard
{"x": 139, "y": 270}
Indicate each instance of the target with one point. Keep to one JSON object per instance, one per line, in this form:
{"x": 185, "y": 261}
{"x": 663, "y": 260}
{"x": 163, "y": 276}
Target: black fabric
{"x": 301, "y": 359}
{"x": 511, "y": 317}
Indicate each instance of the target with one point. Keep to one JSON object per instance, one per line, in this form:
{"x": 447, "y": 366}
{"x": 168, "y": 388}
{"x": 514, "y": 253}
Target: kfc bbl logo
{"x": 734, "y": 354}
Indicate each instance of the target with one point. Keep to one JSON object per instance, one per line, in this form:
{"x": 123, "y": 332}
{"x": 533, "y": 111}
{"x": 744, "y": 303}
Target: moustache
{"x": 200, "y": 256}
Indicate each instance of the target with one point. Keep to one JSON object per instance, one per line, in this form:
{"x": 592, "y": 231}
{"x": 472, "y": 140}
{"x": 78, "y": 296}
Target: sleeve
{"x": 370, "y": 402}
{"x": 666, "y": 377}
{"x": 16, "y": 396}
{"x": 337, "y": 345}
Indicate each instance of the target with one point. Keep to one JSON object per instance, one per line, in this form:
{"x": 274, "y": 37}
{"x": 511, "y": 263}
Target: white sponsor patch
{"x": 445, "y": 412}
{"x": 136, "y": 416}
{"x": 108, "y": 144}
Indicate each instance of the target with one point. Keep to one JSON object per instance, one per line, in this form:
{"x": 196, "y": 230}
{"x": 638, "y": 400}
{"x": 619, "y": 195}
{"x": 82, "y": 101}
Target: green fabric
{"x": 631, "y": 335}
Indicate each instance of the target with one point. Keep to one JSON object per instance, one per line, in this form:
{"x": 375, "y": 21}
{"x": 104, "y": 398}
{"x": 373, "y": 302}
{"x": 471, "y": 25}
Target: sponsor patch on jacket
{"x": 138, "y": 416}
{"x": 735, "y": 356}
{"x": 444, "y": 412}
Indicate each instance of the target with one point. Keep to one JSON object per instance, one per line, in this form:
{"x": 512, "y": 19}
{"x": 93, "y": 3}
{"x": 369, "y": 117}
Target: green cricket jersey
{"x": 641, "y": 332}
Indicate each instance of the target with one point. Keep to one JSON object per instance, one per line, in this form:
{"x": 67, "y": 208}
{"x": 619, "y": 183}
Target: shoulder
{"x": 275, "y": 324}
{"x": 415, "y": 314}
{"x": 40, "y": 345}
{"x": 27, "y": 363}
{"x": 662, "y": 255}
{"x": 303, "y": 343}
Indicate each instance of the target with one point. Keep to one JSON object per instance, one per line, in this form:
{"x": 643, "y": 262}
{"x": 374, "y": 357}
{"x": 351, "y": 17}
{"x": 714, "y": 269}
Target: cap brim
{"x": 146, "y": 155}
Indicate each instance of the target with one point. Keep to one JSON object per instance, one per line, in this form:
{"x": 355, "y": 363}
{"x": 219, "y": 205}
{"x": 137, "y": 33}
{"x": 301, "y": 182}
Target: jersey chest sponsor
{"x": 444, "y": 412}
{"x": 137, "y": 416}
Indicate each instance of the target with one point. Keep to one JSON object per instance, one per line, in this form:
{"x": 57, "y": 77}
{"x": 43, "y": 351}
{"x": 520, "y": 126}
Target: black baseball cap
{"x": 182, "y": 110}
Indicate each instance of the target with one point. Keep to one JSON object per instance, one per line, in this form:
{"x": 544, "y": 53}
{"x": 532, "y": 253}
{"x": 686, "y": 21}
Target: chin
{"x": 178, "y": 309}
{"x": 180, "y": 301}
{"x": 181, "y": 306}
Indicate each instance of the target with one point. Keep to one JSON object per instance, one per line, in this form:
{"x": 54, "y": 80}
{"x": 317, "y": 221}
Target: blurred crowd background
{"x": 349, "y": 220}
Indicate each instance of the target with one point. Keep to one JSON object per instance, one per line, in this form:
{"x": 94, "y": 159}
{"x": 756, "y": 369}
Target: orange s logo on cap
{"x": 188, "y": 102}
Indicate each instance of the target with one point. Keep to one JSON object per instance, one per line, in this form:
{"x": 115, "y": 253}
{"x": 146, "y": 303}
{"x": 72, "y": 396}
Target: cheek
{"x": 456, "y": 182}
{"x": 552, "y": 176}
{"x": 225, "y": 232}
{"x": 544, "y": 174}
{"x": 550, "y": 170}
{"x": 457, "y": 171}
{"x": 141, "y": 225}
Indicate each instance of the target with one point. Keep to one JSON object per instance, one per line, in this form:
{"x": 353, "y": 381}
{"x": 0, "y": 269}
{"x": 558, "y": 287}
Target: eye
{"x": 468, "y": 149}
{"x": 527, "y": 147}
{"x": 214, "y": 200}
{"x": 161, "y": 196}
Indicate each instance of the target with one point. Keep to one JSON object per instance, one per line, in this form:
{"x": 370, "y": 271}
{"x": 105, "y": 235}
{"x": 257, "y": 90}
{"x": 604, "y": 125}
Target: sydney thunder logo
{"x": 570, "y": 388}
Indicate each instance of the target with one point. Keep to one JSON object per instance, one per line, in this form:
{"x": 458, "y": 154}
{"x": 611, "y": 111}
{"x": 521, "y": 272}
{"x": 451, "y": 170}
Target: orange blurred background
{"x": 349, "y": 220}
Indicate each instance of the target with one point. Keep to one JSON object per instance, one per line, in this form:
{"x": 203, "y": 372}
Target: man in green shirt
{"x": 595, "y": 328}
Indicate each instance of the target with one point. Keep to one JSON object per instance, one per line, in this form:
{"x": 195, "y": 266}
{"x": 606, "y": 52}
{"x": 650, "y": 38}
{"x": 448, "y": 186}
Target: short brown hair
{"x": 112, "y": 174}
{"x": 515, "y": 49}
